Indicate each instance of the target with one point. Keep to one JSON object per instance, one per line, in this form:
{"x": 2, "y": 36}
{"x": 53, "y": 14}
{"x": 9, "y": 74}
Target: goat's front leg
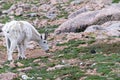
{"x": 21, "y": 51}
{"x": 11, "y": 49}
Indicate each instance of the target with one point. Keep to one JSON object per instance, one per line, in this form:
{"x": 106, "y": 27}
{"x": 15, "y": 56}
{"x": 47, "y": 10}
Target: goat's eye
{"x": 44, "y": 42}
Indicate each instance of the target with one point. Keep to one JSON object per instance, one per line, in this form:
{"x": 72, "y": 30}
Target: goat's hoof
{"x": 10, "y": 60}
{"x": 21, "y": 58}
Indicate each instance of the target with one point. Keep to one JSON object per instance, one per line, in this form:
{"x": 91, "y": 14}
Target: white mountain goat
{"x": 18, "y": 34}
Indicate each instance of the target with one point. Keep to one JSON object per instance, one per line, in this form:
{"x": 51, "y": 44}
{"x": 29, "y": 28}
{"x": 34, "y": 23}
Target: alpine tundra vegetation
{"x": 83, "y": 39}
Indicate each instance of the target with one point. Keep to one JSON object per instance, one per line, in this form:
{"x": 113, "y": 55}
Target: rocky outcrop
{"x": 17, "y": 9}
{"x": 83, "y": 20}
{"x": 108, "y": 29}
{"x": 81, "y": 10}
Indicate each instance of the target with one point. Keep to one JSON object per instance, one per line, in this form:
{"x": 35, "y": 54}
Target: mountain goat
{"x": 18, "y": 34}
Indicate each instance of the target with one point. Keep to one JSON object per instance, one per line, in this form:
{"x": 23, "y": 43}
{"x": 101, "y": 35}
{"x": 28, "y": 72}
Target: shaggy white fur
{"x": 18, "y": 33}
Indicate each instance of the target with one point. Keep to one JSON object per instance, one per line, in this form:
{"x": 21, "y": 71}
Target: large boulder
{"x": 83, "y": 20}
{"x": 90, "y": 5}
{"x": 108, "y": 29}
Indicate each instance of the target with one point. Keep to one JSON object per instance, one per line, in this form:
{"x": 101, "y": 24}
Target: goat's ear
{"x": 46, "y": 35}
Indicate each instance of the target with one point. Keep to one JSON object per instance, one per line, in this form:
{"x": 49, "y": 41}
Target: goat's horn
{"x": 46, "y": 34}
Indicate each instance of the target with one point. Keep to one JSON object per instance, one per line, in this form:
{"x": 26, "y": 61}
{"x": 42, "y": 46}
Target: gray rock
{"x": 24, "y": 69}
{"x": 51, "y": 15}
{"x": 56, "y": 1}
{"x": 34, "y": 9}
{"x": 24, "y": 6}
{"x": 32, "y": 15}
{"x": 44, "y": 7}
{"x": 94, "y": 28}
{"x": 82, "y": 21}
{"x": 74, "y": 14}
{"x": 108, "y": 29}
{"x": 19, "y": 11}
{"x": 113, "y": 30}
{"x": 8, "y": 76}
{"x": 76, "y": 2}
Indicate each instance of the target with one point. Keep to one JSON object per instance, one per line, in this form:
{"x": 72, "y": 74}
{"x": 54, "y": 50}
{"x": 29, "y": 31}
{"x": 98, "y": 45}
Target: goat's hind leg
{"x": 7, "y": 44}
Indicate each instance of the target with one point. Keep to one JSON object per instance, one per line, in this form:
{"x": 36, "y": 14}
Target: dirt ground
{"x": 29, "y": 54}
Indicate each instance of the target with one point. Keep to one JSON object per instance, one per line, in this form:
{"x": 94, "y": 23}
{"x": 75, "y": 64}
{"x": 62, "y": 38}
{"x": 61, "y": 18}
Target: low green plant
{"x": 5, "y": 19}
{"x": 95, "y": 77}
{"x": 6, "y": 5}
{"x": 116, "y": 1}
{"x": 48, "y": 28}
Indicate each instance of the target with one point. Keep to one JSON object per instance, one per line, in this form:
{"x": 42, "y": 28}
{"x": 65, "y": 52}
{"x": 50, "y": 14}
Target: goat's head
{"x": 43, "y": 42}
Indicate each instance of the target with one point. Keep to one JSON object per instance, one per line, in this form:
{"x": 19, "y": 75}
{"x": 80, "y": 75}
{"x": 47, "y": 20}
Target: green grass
{"x": 62, "y": 13}
{"x": 106, "y": 63}
{"x": 48, "y": 28}
{"x": 74, "y": 73}
{"x": 106, "y": 56}
{"x": 72, "y": 51}
{"x": 6, "y": 5}
{"x": 116, "y": 1}
{"x": 104, "y": 68}
{"x": 95, "y": 77}
{"x": 5, "y": 19}
{"x": 20, "y": 17}
{"x": 5, "y": 69}
{"x": 73, "y": 43}
{"x": 30, "y": 61}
